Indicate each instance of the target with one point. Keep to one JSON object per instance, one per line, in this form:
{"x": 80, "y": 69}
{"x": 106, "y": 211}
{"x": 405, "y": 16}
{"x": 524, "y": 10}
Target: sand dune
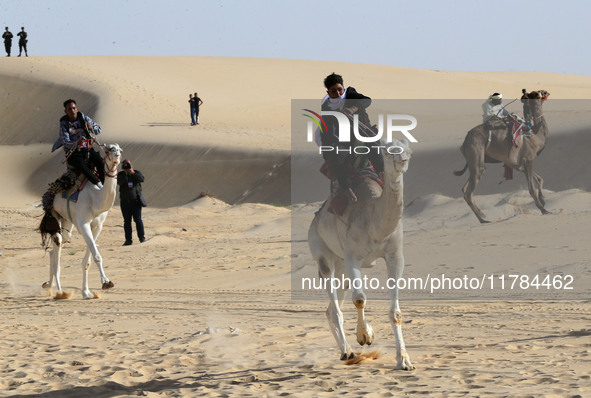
{"x": 209, "y": 305}
{"x": 244, "y": 111}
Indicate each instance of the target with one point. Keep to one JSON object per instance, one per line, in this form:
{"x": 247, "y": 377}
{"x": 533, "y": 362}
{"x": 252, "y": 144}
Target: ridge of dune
{"x": 246, "y": 94}
{"x": 141, "y": 103}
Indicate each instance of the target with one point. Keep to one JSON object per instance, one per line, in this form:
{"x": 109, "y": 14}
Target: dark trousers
{"x": 79, "y": 158}
{"x": 193, "y": 121}
{"x": 21, "y": 47}
{"x": 7, "y": 45}
{"x": 132, "y": 210}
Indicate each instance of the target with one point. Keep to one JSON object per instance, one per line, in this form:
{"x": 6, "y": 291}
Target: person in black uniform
{"x": 7, "y": 36}
{"x": 22, "y": 42}
{"x": 130, "y": 194}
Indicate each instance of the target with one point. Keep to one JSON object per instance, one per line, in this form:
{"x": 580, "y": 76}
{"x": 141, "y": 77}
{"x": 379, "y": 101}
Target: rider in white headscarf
{"x": 493, "y": 107}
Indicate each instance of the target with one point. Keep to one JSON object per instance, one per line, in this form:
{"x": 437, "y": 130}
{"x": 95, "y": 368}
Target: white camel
{"x": 369, "y": 229}
{"x": 88, "y": 215}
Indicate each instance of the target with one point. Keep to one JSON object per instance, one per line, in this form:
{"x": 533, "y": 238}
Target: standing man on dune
{"x": 22, "y": 42}
{"x": 197, "y": 101}
{"x": 192, "y": 109}
{"x": 7, "y": 36}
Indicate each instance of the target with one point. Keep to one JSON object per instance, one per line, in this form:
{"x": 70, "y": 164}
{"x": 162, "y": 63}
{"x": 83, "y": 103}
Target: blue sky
{"x": 473, "y": 35}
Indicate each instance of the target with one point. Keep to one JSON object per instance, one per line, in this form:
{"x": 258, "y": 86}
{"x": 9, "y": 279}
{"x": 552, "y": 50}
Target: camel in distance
{"x": 369, "y": 228}
{"x": 494, "y": 144}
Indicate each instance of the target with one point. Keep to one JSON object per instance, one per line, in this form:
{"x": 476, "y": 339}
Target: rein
{"x": 112, "y": 173}
{"x": 81, "y": 143}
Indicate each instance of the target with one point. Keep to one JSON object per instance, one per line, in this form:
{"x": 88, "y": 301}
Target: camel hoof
{"x": 544, "y": 211}
{"x": 62, "y": 296}
{"x": 46, "y": 285}
{"x": 404, "y": 362}
{"x": 483, "y": 221}
{"x": 346, "y": 356}
{"x": 365, "y": 336}
{"x": 91, "y": 296}
{"x": 108, "y": 285}
{"x": 405, "y": 365}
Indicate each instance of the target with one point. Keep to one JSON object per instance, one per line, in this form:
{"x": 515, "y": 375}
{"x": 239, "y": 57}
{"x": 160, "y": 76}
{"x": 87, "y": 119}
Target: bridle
{"x": 112, "y": 173}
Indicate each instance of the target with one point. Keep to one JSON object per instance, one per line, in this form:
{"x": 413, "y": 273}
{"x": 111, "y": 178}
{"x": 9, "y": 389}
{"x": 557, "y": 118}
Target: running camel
{"x": 483, "y": 144}
{"x": 369, "y": 228}
{"x": 88, "y": 215}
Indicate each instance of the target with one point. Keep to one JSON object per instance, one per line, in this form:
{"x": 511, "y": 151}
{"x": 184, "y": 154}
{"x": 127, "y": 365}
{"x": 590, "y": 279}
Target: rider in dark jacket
{"x": 75, "y": 129}
{"x": 350, "y": 102}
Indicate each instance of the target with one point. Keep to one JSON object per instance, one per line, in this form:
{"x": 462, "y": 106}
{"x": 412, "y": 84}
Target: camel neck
{"x": 390, "y": 204}
{"x": 540, "y": 125}
{"x": 108, "y": 193}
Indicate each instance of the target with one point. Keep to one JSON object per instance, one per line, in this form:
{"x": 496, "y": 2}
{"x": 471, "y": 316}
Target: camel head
{"x": 536, "y": 101}
{"x": 397, "y": 155}
{"x": 539, "y": 94}
{"x": 112, "y": 155}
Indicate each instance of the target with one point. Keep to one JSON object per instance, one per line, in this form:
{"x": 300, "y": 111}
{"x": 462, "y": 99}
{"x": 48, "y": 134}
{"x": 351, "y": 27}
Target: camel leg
{"x": 539, "y": 182}
{"x": 476, "y": 172}
{"x": 336, "y": 295}
{"x": 97, "y": 227}
{"x": 57, "y": 241}
{"x": 86, "y": 293}
{"x": 365, "y": 334}
{"x": 55, "y": 262}
{"x": 87, "y": 233}
{"x": 395, "y": 264}
{"x": 55, "y": 258}
{"x": 328, "y": 264}
{"x": 532, "y": 181}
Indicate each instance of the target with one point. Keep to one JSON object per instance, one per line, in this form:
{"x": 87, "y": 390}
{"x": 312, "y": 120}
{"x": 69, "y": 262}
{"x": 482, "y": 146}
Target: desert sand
{"x": 208, "y": 305}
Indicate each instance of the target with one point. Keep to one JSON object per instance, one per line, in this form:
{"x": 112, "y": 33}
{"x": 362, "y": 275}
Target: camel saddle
{"x": 72, "y": 193}
{"x": 514, "y": 124}
{"x": 518, "y": 127}
{"x": 69, "y": 184}
{"x": 366, "y": 185}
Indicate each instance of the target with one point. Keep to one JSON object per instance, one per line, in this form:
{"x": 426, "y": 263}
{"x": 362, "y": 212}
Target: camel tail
{"x": 49, "y": 226}
{"x": 461, "y": 172}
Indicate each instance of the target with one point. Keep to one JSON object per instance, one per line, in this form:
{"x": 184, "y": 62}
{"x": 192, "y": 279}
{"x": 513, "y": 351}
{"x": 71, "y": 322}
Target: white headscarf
{"x": 335, "y": 104}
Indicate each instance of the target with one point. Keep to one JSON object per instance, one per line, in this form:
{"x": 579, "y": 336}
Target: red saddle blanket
{"x": 518, "y": 127}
